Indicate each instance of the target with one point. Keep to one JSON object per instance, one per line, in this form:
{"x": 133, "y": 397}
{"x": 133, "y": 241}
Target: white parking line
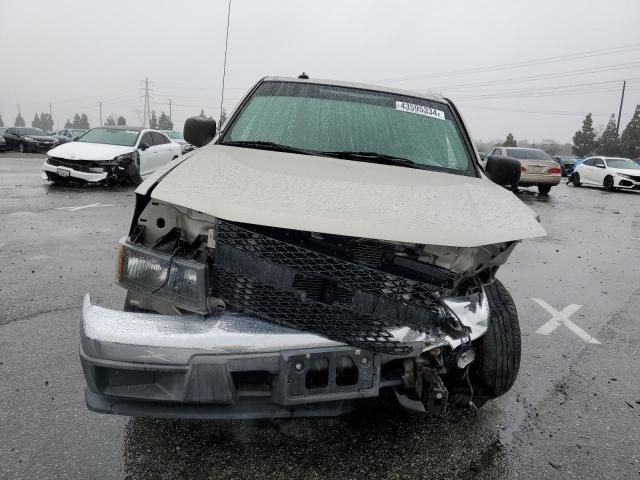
{"x": 558, "y": 318}
{"x": 93, "y": 205}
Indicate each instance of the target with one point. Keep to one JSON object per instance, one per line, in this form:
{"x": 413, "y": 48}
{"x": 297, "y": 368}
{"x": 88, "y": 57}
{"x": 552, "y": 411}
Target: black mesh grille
{"x": 347, "y": 300}
{"x": 347, "y": 274}
{"x": 288, "y": 309}
{"x": 78, "y": 165}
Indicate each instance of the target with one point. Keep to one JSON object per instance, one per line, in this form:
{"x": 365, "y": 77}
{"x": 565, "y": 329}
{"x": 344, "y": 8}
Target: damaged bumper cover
{"x": 103, "y": 171}
{"x": 232, "y": 365}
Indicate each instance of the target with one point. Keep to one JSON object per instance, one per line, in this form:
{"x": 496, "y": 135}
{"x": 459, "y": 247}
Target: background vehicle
{"x": 179, "y": 139}
{"x": 69, "y": 134}
{"x": 608, "y": 172}
{"x": 27, "y": 139}
{"x": 3, "y": 142}
{"x": 110, "y": 154}
{"x": 537, "y": 167}
{"x": 567, "y": 163}
{"x": 297, "y": 270}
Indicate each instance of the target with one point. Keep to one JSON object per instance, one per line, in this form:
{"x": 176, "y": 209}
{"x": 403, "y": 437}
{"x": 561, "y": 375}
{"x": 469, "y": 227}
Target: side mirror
{"x": 199, "y": 131}
{"x": 143, "y": 146}
{"x": 503, "y": 170}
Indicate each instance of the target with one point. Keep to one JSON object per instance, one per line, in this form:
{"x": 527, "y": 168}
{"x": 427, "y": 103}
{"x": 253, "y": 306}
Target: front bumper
{"x": 52, "y": 172}
{"x": 626, "y": 183}
{"x": 238, "y": 366}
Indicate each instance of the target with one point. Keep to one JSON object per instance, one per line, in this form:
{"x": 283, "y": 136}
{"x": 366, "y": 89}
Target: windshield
{"x": 174, "y": 135}
{"x": 622, "y": 163}
{"x": 77, "y": 133}
{"x": 31, "y": 131}
{"x": 323, "y": 119}
{"x": 111, "y": 136}
{"x": 528, "y": 154}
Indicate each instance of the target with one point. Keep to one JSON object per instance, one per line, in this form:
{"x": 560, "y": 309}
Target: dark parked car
{"x": 27, "y": 139}
{"x": 69, "y": 134}
{"x": 3, "y": 143}
{"x": 567, "y": 163}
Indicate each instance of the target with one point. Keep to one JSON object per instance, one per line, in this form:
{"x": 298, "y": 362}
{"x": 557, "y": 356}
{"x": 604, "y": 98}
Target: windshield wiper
{"x": 260, "y": 145}
{"x": 373, "y": 157}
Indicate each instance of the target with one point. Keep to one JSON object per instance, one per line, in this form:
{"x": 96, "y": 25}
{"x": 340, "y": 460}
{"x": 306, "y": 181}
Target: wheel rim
{"x": 21, "y": 148}
{"x": 608, "y": 183}
{"x": 576, "y": 178}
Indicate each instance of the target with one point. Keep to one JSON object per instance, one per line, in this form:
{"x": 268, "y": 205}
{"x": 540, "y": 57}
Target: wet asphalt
{"x": 573, "y": 413}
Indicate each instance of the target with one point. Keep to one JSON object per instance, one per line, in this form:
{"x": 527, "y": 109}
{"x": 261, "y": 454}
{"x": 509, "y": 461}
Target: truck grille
{"x": 351, "y": 300}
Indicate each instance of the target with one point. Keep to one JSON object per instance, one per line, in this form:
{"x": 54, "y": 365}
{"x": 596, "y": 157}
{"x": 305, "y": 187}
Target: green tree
{"x": 584, "y": 141}
{"x": 609, "y": 144}
{"x": 36, "y": 121}
{"x": 122, "y": 121}
{"x": 76, "y": 121}
{"x": 630, "y": 138}
{"x": 68, "y": 124}
{"x": 1, "y": 122}
{"x": 223, "y": 118}
{"x": 164, "y": 123}
{"x": 510, "y": 141}
{"x": 84, "y": 121}
{"x": 110, "y": 121}
{"x": 19, "y": 121}
{"x": 153, "y": 121}
{"x": 46, "y": 122}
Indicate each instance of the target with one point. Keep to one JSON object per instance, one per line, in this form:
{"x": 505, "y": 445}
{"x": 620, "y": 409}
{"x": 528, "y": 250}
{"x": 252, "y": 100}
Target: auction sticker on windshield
{"x": 420, "y": 110}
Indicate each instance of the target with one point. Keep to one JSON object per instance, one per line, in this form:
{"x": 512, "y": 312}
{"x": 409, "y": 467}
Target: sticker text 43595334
{"x": 420, "y": 110}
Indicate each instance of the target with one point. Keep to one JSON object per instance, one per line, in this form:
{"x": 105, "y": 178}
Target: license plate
{"x": 537, "y": 169}
{"x": 63, "y": 172}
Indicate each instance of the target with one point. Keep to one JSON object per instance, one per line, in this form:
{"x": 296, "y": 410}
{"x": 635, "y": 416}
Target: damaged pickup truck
{"x": 335, "y": 240}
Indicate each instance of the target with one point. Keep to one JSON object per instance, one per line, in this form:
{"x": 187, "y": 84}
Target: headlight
{"x": 181, "y": 282}
{"x": 29, "y": 139}
{"x": 127, "y": 156}
{"x": 625, "y": 176}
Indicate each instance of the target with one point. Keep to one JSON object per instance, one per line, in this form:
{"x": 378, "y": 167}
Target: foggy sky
{"x": 74, "y": 54}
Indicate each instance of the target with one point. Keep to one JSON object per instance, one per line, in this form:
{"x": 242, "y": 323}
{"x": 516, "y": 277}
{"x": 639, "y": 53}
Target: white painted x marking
{"x": 93, "y": 205}
{"x": 558, "y": 318}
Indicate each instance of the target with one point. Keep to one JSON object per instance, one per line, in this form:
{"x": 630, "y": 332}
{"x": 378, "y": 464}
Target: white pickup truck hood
{"x": 344, "y": 197}
{"x": 88, "y": 151}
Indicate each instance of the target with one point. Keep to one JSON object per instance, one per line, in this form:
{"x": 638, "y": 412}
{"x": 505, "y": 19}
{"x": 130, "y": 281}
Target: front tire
{"x": 544, "y": 189}
{"x": 608, "y": 184}
{"x": 575, "y": 179}
{"x": 133, "y": 174}
{"x": 497, "y": 362}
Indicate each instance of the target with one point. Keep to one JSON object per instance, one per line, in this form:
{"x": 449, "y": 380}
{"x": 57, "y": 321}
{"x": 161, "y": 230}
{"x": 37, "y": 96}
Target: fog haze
{"x": 73, "y": 54}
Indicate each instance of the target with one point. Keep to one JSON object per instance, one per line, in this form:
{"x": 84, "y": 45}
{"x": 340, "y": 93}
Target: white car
{"x": 110, "y": 155}
{"x": 611, "y": 173}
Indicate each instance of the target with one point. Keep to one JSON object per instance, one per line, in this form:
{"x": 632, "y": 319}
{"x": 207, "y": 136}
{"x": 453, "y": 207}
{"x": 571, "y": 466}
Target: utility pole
{"x": 624, "y": 84}
{"x": 147, "y": 113}
{"x": 100, "y": 103}
{"x": 224, "y": 68}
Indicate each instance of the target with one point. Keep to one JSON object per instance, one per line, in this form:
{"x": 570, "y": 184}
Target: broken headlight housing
{"x": 181, "y": 282}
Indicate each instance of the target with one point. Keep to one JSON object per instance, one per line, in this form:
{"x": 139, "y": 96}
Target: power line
{"x": 527, "y": 63}
{"x": 568, "y": 73}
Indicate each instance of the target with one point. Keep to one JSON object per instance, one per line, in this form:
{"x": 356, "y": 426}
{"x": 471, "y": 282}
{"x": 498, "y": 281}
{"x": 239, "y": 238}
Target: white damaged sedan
{"x": 110, "y": 155}
{"x": 334, "y": 241}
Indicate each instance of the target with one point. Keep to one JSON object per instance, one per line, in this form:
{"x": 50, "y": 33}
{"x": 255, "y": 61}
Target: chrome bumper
{"x": 161, "y": 360}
